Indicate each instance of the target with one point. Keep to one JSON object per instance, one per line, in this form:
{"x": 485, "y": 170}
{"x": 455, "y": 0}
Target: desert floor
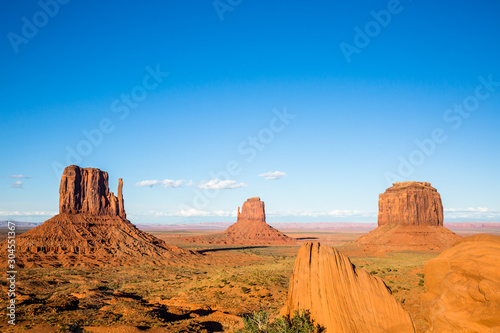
{"x": 208, "y": 296}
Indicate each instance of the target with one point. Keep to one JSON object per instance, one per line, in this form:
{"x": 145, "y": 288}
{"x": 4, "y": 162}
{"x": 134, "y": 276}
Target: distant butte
{"x": 91, "y": 229}
{"x": 410, "y": 218}
{"x": 250, "y": 229}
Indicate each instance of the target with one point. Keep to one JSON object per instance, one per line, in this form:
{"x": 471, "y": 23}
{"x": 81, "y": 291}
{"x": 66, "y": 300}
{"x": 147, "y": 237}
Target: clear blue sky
{"x": 322, "y": 96}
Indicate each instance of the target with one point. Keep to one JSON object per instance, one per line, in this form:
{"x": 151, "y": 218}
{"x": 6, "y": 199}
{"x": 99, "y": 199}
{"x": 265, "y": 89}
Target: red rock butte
{"x": 250, "y": 229}
{"x": 91, "y": 229}
{"x": 341, "y": 297}
{"x": 410, "y": 203}
{"x": 410, "y": 218}
{"x": 87, "y": 191}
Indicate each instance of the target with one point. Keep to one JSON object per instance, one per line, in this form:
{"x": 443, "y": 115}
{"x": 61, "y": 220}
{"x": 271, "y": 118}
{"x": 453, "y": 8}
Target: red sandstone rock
{"x": 463, "y": 287}
{"x": 91, "y": 229}
{"x": 410, "y": 203}
{"x": 86, "y": 191}
{"x": 341, "y": 297}
{"x": 410, "y": 218}
{"x": 250, "y": 229}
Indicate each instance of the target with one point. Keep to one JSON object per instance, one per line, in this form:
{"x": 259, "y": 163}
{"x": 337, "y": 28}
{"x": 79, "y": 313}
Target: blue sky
{"x": 194, "y": 103}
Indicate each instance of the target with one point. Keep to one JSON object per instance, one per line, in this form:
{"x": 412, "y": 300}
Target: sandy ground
{"x": 209, "y": 296}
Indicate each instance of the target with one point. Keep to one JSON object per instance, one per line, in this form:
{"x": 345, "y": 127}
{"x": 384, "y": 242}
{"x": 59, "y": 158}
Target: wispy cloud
{"x": 190, "y": 213}
{"x": 18, "y": 184}
{"x": 19, "y": 176}
{"x": 167, "y": 183}
{"x": 216, "y": 184}
{"x": 332, "y": 213}
{"x": 273, "y": 175}
{"x": 27, "y": 213}
{"x": 471, "y": 213}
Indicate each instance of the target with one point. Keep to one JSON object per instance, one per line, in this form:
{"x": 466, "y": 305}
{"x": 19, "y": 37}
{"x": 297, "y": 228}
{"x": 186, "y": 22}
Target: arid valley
{"x": 231, "y": 166}
{"x": 89, "y": 270}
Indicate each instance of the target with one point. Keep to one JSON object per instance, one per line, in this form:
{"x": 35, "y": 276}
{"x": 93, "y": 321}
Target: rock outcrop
{"x": 341, "y": 297}
{"x": 250, "y": 229}
{"x": 410, "y": 218}
{"x": 410, "y": 203}
{"x": 463, "y": 287}
{"x": 91, "y": 229}
{"x": 86, "y": 191}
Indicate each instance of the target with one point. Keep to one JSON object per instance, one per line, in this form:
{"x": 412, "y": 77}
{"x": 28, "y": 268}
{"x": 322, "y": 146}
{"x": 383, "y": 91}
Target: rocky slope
{"x": 91, "y": 229}
{"x": 410, "y": 218}
{"x": 463, "y": 287}
{"x": 341, "y": 297}
{"x": 250, "y": 229}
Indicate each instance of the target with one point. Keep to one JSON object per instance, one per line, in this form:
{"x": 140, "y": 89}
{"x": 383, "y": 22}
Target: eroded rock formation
{"x": 91, "y": 229}
{"x": 410, "y": 218}
{"x": 463, "y": 287}
{"x": 341, "y": 297}
{"x": 86, "y": 191}
{"x": 410, "y": 203}
{"x": 250, "y": 228}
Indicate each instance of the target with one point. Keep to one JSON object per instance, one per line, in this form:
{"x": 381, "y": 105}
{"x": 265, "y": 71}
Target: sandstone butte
{"x": 463, "y": 287}
{"x": 410, "y": 218}
{"x": 250, "y": 229}
{"x": 341, "y": 297}
{"x": 91, "y": 229}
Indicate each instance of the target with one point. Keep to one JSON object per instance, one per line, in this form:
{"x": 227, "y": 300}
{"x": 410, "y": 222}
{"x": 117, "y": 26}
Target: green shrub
{"x": 245, "y": 290}
{"x": 259, "y": 322}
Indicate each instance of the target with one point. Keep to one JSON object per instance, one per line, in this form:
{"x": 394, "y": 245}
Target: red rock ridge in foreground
{"x": 341, "y": 297}
{"x": 410, "y": 218}
{"x": 463, "y": 287}
{"x": 91, "y": 229}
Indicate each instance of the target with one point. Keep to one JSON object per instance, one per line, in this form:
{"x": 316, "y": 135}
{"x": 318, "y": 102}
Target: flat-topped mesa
{"x": 253, "y": 210}
{"x": 410, "y": 203}
{"x": 85, "y": 190}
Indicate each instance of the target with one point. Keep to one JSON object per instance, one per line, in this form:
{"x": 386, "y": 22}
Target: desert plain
{"x": 90, "y": 269}
{"x": 209, "y": 296}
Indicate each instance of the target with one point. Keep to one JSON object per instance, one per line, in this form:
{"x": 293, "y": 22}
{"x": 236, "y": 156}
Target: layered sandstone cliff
{"x": 463, "y": 287}
{"x": 91, "y": 229}
{"x": 250, "y": 229}
{"x": 410, "y": 203}
{"x": 341, "y": 297}
{"x": 410, "y": 218}
{"x": 86, "y": 190}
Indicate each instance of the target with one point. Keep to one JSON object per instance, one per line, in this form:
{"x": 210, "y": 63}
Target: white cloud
{"x": 190, "y": 183}
{"x": 167, "y": 183}
{"x": 273, "y": 175}
{"x": 471, "y": 213}
{"x": 27, "y": 213}
{"x": 216, "y": 184}
{"x": 19, "y": 176}
{"x": 18, "y": 184}
{"x": 191, "y": 213}
{"x": 332, "y": 213}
